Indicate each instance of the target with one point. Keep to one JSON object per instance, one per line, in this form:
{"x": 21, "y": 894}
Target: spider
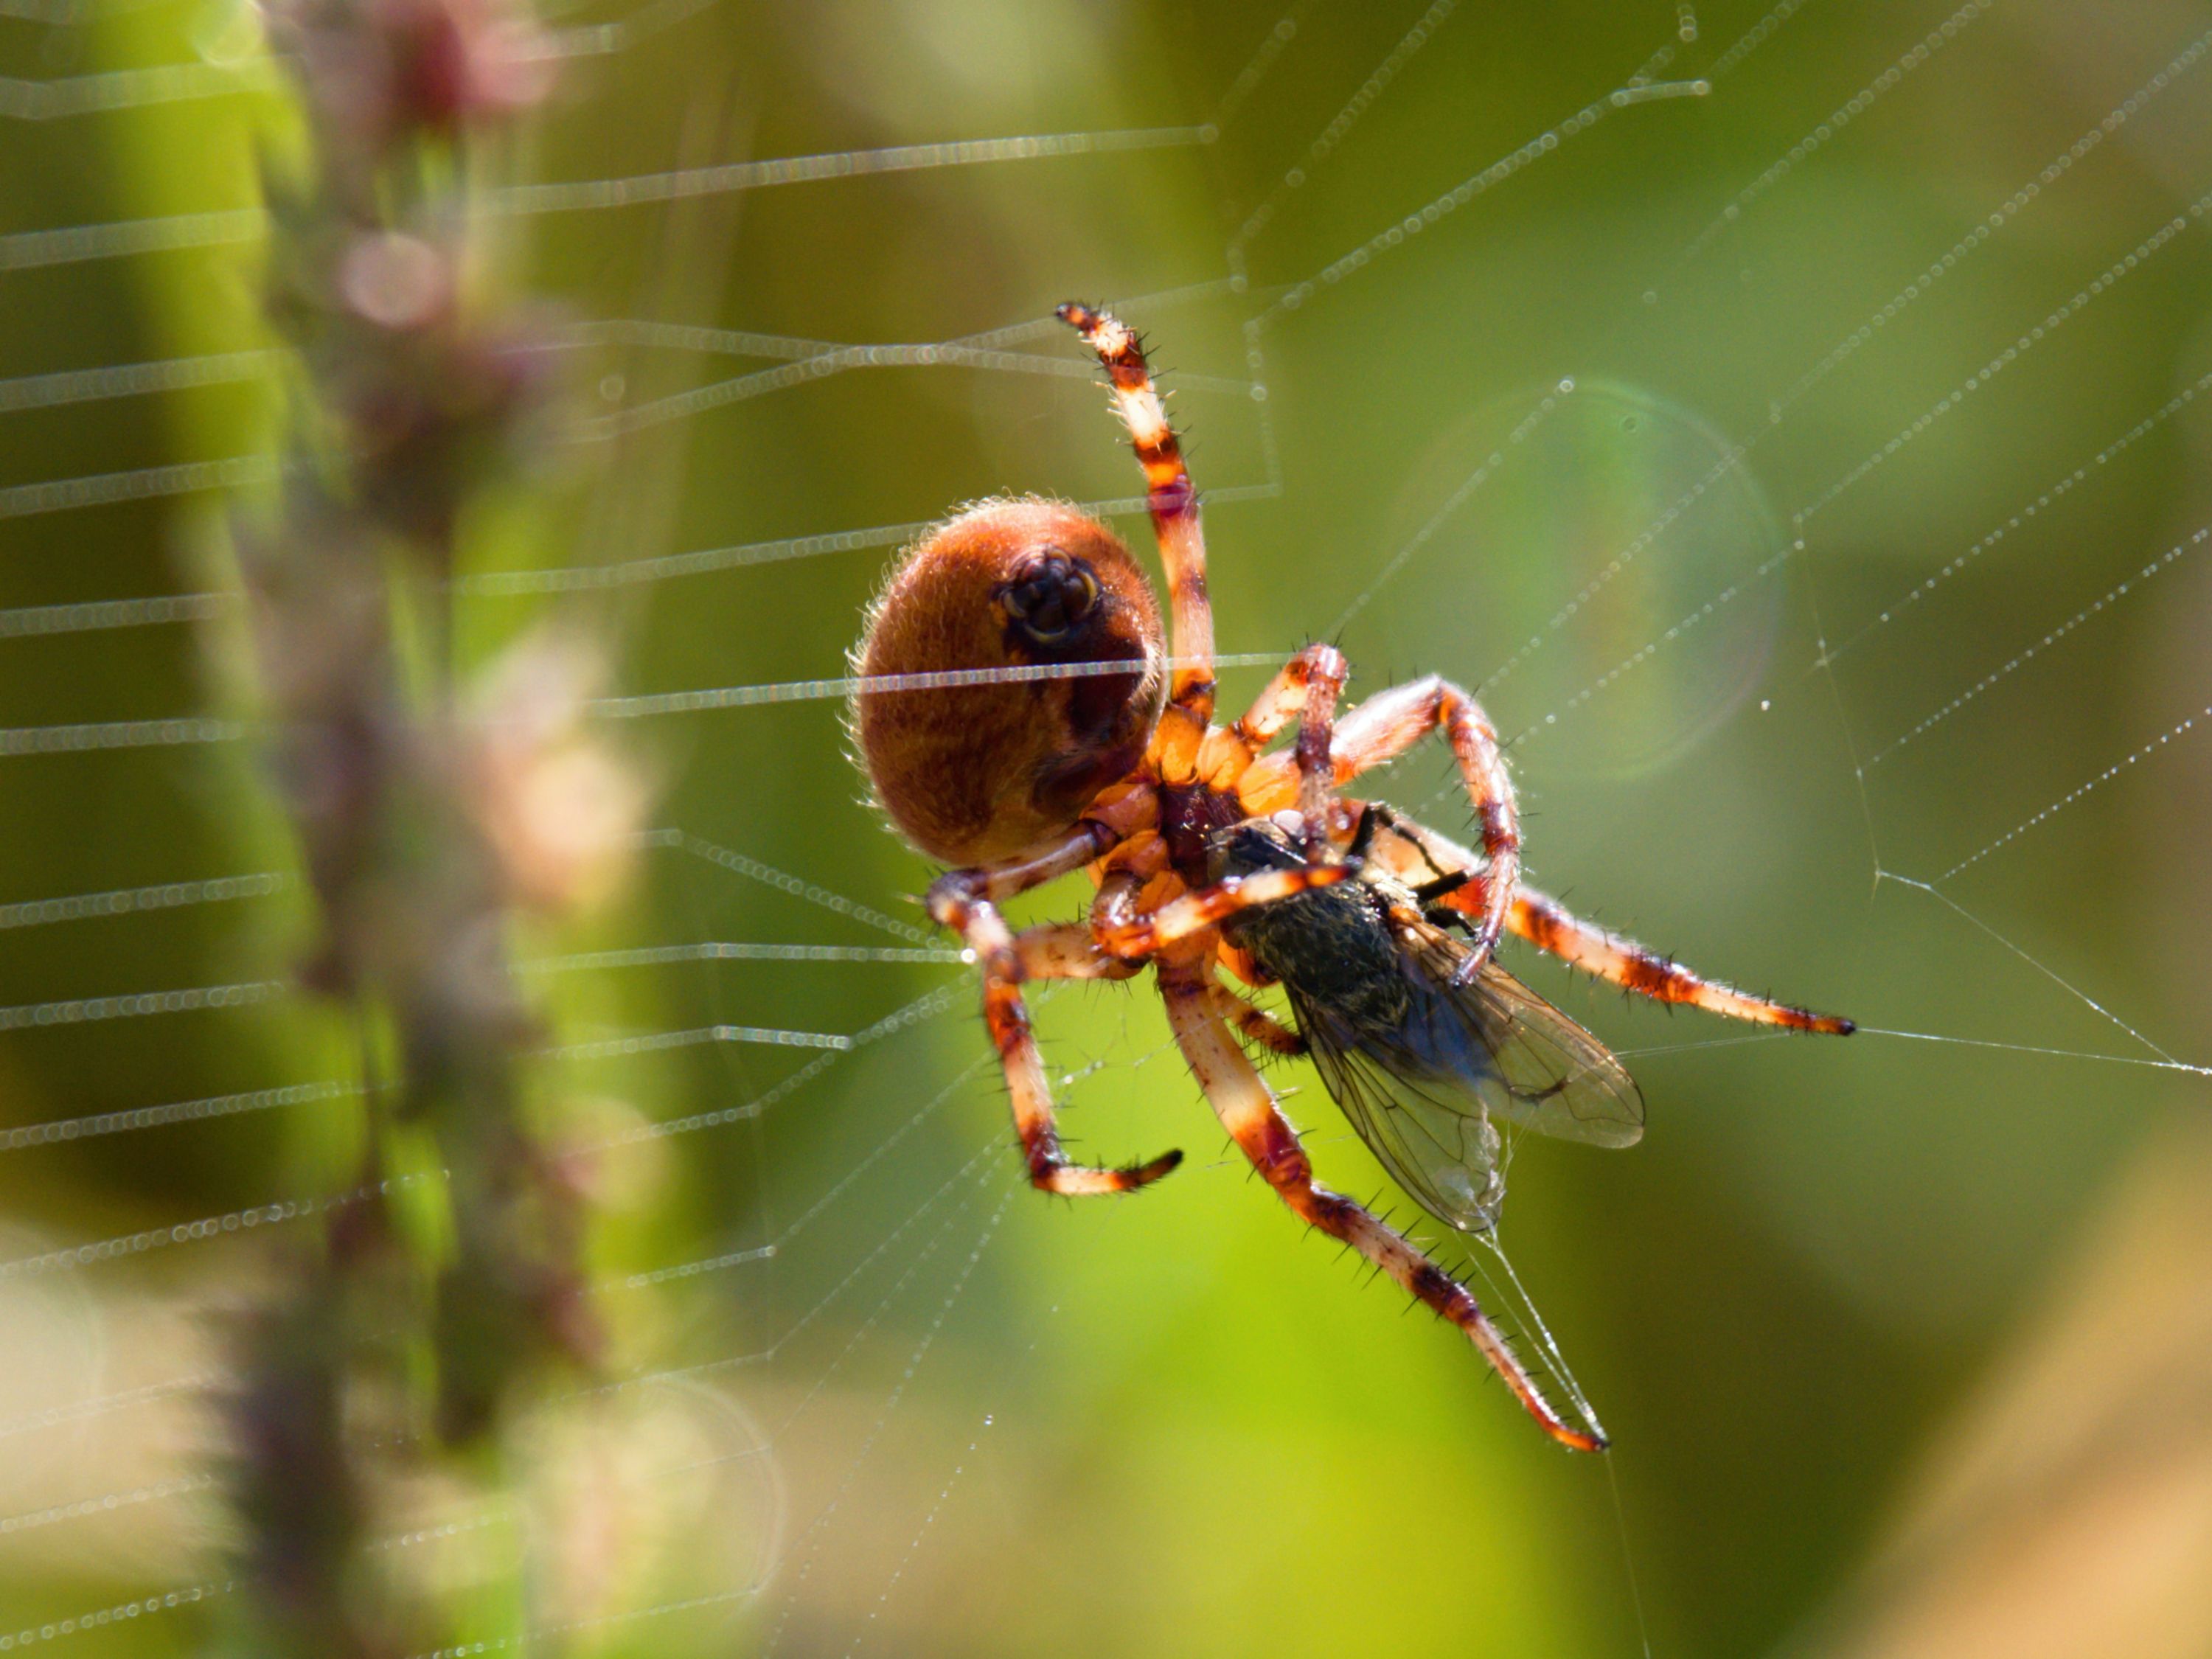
{"x": 1100, "y": 750}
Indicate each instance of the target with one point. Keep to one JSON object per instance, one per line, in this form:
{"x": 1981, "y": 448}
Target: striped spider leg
{"x": 1172, "y": 502}
{"x": 1417, "y": 854}
{"x": 1248, "y": 1109}
{"x": 1488, "y": 890}
{"x": 1379, "y": 731}
{"x": 1113, "y": 945}
{"x": 966, "y": 901}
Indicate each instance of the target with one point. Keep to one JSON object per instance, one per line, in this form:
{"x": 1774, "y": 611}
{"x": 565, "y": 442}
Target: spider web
{"x": 1789, "y": 421}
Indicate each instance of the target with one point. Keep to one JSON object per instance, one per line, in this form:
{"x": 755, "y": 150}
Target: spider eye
{"x": 1051, "y": 596}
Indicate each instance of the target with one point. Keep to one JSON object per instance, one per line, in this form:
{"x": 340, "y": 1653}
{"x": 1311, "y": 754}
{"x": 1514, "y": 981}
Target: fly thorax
{"x": 1334, "y": 947}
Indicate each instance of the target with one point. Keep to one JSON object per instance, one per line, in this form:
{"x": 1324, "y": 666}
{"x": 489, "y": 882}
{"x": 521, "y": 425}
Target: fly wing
{"x": 1421, "y": 1094}
{"x": 1437, "y": 1142}
{"x": 1530, "y": 1063}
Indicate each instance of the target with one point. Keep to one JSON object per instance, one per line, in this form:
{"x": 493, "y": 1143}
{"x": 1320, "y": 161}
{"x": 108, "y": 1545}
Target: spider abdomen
{"x": 971, "y": 773}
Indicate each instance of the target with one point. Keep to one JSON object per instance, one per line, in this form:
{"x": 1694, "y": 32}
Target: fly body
{"x": 1418, "y": 1038}
{"x": 1335, "y": 947}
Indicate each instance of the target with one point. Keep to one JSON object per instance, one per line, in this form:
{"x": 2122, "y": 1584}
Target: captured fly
{"x": 1419, "y": 1045}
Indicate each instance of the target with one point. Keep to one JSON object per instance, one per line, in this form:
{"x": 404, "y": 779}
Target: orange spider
{"x": 1205, "y": 850}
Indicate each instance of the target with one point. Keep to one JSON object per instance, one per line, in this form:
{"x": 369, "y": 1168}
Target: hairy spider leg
{"x": 1145, "y": 935}
{"x": 1384, "y": 728}
{"x": 1546, "y": 924}
{"x": 1174, "y": 504}
{"x": 1067, "y": 949}
{"x": 967, "y": 902}
{"x": 1247, "y": 1108}
{"x": 1050, "y": 1170}
{"x": 1256, "y": 1023}
{"x": 1305, "y": 689}
{"x": 1285, "y": 697}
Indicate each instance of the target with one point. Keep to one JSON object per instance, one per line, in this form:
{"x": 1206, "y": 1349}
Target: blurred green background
{"x": 1902, "y": 1342}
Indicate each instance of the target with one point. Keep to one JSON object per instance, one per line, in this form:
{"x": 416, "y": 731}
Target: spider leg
{"x": 1363, "y": 835}
{"x": 1065, "y": 950}
{"x": 1384, "y": 728}
{"x": 1285, "y": 698}
{"x": 1317, "y": 778}
{"x": 1546, "y": 924}
{"x": 1060, "y": 950}
{"x": 966, "y": 901}
{"x": 1174, "y": 504}
{"x": 1305, "y": 690}
{"x": 1247, "y": 1110}
{"x": 1256, "y": 1023}
{"x": 1147, "y": 935}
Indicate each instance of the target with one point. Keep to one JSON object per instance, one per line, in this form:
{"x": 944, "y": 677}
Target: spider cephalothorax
{"x": 1011, "y": 717}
